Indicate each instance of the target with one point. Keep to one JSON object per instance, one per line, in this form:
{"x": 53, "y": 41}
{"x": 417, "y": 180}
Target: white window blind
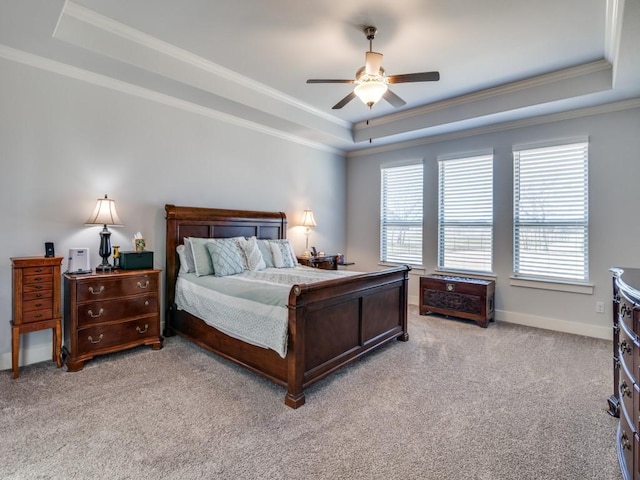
{"x": 551, "y": 215}
{"x": 401, "y": 214}
{"x": 465, "y": 214}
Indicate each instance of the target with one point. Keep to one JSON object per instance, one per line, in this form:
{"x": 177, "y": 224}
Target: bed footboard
{"x": 333, "y": 323}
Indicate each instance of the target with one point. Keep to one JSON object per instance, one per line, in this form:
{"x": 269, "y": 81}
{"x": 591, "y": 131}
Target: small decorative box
{"x": 136, "y": 260}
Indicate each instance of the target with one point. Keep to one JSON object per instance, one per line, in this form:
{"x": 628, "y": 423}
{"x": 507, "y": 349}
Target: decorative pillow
{"x": 283, "y": 256}
{"x": 252, "y": 257}
{"x": 201, "y": 258}
{"x": 265, "y": 249}
{"x": 226, "y": 256}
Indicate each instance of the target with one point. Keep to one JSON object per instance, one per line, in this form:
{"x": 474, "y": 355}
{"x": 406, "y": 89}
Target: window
{"x": 551, "y": 213}
{"x": 401, "y": 214}
{"x": 465, "y": 214}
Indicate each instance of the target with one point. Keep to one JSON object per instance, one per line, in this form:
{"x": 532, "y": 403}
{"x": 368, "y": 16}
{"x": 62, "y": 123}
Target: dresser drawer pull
{"x": 38, "y": 295}
{"x": 100, "y": 290}
{"x": 146, "y": 303}
{"x": 90, "y": 312}
{"x": 38, "y": 304}
{"x": 38, "y": 270}
{"x": 624, "y": 441}
{"x": 98, "y": 340}
{"x": 624, "y": 347}
{"x": 146, "y": 284}
{"x": 624, "y": 389}
{"x": 38, "y": 287}
{"x": 146, "y": 327}
{"x": 38, "y": 279}
{"x": 37, "y": 315}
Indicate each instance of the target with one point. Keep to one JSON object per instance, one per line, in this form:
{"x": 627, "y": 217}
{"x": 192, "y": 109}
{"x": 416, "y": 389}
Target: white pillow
{"x": 182, "y": 258}
{"x": 253, "y": 260}
{"x": 283, "y": 255}
{"x": 226, "y": 256}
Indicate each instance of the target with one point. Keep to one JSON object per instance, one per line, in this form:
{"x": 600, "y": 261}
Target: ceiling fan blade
{"x": 393, "y": 99}
{"x": 328, "y": 80}
{"x": 372, "y": 63}
{"x": 344, "y": 101}
{"x": 415, "y": 77}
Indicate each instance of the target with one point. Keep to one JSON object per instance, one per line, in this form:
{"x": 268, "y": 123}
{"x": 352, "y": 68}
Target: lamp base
{"x": 104, "y": 268}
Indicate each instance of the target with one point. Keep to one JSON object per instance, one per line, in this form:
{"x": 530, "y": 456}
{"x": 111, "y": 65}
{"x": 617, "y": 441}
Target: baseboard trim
{"x": 555, "y": 324}
{"x": 27, "y": 356}
{"x": 546, "y": 323}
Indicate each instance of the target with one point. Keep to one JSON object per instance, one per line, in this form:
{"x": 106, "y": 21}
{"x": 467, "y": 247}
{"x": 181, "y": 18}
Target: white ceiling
{"x": 247, "y": 61}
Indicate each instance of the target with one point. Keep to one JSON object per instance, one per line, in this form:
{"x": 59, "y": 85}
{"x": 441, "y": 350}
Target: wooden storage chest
{"x": 469, "y": 298}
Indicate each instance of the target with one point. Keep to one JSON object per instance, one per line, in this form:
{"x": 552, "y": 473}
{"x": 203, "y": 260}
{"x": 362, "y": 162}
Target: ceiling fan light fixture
{"x": 370, "y": 89}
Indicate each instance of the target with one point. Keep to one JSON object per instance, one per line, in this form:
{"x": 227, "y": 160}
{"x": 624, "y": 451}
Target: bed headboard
{"x": 213, "y": 223}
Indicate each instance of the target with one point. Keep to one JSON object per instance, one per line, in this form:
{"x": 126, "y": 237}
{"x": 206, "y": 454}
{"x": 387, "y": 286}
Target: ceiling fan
{"x": 371, "y": 82}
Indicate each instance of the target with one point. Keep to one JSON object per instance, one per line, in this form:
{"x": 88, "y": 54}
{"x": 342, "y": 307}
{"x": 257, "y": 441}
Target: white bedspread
{"x": 251, "y": 306}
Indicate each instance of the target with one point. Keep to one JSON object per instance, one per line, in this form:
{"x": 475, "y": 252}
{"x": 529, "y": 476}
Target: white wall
{"x": 64, "y": 143}
{"x": 614, "y": 170}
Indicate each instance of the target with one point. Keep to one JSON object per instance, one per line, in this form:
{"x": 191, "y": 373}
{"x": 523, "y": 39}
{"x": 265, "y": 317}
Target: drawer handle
{"x": 90, "y": 312}
{"x": 624, "y": 389}
{"x": 624, "y": 441}
{"x": 37, "y": 315}
{"x": 38, "y": 270}
{"x": 38, "y": 295}
{"x": 100, "y": 290}
{"x": 146, "y": 284}
{"x": 146, "y": 327}
{"x": 624, "y": 347}
{"x": 37, "y": 287}
{"x": 97, "y": 341}
{"x": 38, "y": 304}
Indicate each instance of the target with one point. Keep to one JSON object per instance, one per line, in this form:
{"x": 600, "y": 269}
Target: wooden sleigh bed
{"x": 330, "y": 323}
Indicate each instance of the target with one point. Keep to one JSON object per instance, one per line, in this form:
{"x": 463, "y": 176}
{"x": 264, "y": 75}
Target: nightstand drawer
{"x": 117, "y": 334}
{"x": 102, "y": 289}
{"x": 109, "y": 310}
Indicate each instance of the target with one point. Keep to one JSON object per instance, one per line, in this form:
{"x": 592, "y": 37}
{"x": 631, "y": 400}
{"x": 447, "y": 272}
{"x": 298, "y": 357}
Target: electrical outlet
{"x": 599, "y": 307}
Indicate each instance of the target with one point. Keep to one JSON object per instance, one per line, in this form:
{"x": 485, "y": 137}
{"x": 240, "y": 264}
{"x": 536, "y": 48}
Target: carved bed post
{"x": 295, "y": 370}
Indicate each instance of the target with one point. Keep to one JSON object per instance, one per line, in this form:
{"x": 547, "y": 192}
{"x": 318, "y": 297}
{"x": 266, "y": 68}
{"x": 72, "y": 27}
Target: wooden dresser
{"x": 36, "y": 302}
{"x": 108, "y": 312}
{"x": 625, "y": 401}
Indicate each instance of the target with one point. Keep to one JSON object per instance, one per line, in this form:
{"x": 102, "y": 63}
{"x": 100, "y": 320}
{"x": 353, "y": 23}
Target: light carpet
{"x": 455, "y": 402}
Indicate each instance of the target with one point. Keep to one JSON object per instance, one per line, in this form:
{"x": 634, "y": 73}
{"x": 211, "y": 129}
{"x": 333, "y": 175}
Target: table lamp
{"x": 307, "y": 221}
{"x": 104, "y": 214}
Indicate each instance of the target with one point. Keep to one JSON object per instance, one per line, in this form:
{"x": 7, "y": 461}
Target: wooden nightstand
{"x": 108, "y": 312}
{"x": 36, "y": 302}
{"x": 326, "y": 262}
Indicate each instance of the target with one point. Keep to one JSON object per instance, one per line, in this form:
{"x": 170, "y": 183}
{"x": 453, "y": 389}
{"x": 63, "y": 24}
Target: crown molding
{"x": 130, "y": 34}
{"x": 500, "y": 127}
{"x": 506, "y": 89}
{"x": 97, "y": 79}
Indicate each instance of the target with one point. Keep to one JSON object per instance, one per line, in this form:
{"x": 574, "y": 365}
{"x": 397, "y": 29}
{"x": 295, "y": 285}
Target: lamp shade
{"x": 104, "y": 213}
{"x": 307, "y": 219}
{"x": 370, "y": 90}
